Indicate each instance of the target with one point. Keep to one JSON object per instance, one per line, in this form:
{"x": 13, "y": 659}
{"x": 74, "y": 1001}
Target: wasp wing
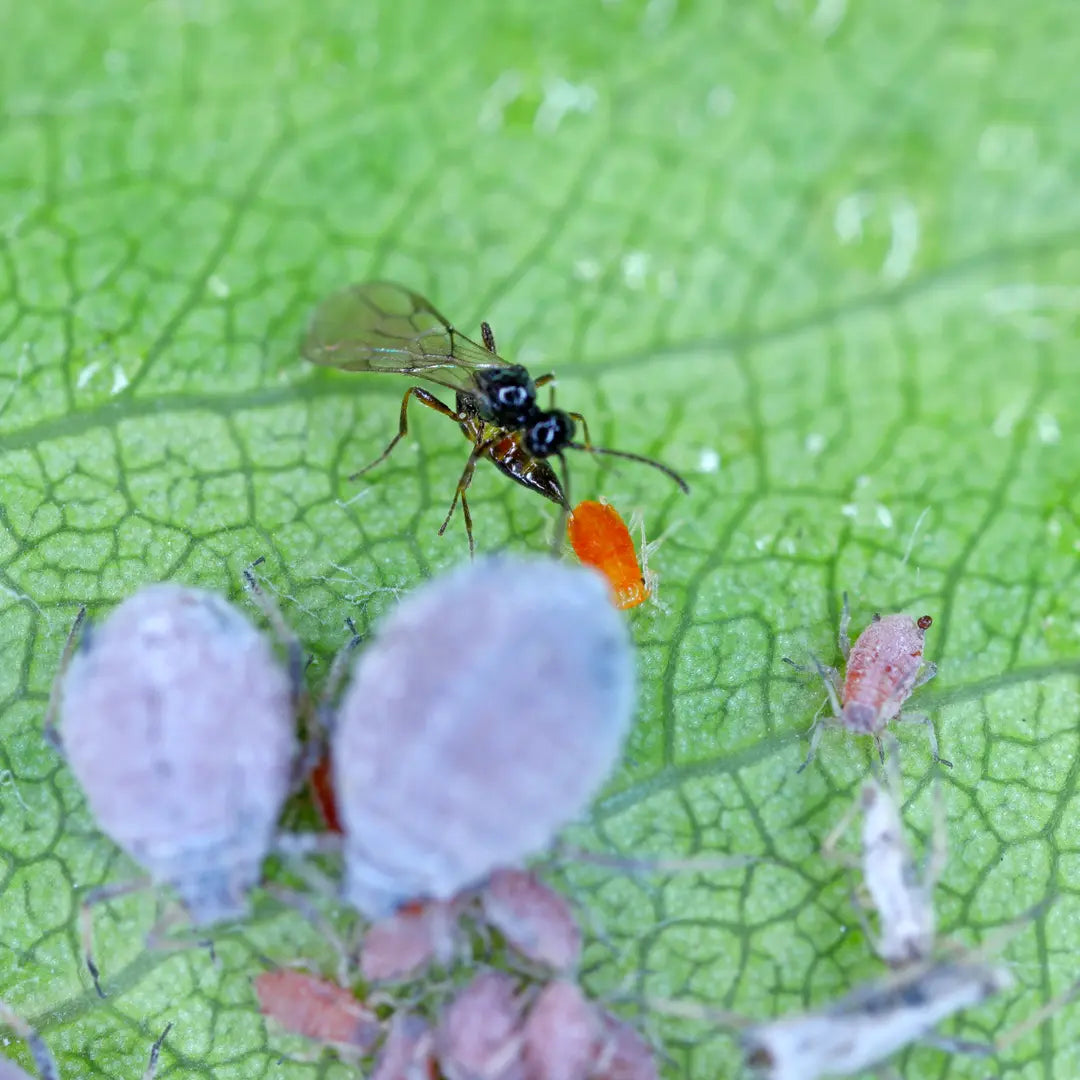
{"x": 381, "y": 326}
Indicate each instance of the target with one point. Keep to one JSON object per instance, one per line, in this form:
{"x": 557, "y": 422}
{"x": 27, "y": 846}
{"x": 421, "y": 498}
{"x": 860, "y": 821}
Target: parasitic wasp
{"x": 381, "y": 326}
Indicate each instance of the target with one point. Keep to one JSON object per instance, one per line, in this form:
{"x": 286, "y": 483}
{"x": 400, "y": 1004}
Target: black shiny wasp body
{"x": 381, "y": 326}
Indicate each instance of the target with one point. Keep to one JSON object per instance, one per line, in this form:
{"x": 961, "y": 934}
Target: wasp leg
{"x": 578, "y": 418}
{"x": 425, "y": 398}
{"x": 463, "y": 486}
{"x": 547, "y": 379}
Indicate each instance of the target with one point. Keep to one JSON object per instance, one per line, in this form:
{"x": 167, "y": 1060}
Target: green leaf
{"x": 821, "y": 258}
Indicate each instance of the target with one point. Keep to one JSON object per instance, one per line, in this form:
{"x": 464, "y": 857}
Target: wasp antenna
{"x": 634, "y": 457}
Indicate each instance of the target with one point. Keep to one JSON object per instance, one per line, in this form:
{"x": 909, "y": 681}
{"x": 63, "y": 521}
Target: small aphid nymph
{"x": 902, "y": 897}
{"x": 601, "y": 539}
{"x": 318, "y": 1009}
{"x": 485, "y": 712}
{"x": 882, "y": 669}
{"x": 871, "y": 1023}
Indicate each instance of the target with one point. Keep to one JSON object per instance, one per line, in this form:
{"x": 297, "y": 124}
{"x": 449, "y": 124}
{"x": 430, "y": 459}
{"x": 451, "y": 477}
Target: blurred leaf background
{"x": 820, "y": 256}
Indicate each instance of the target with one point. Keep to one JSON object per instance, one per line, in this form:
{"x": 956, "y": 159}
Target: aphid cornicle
{"x": 481, "y": 718}
{"x": 380, "y": 326}
{"x": 178, "y": 722}
{"x": 882, "y": 669}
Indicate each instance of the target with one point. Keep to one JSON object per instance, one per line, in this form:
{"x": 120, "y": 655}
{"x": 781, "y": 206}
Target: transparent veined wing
{"x": 381, "y": 326}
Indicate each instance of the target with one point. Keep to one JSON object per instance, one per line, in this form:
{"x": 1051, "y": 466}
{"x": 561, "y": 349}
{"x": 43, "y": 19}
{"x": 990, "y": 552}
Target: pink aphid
{"x": 408, "y": 1052}
{"x": 317, "y": 1009}
{"x": 625, "y": 1055}
{"x": 405, "y": 943}
{"x": 882, "y": 669}
{"x": 563, "y": 1034}
{"x": 534, "y": 919}
{"x": 479, "y": 1036}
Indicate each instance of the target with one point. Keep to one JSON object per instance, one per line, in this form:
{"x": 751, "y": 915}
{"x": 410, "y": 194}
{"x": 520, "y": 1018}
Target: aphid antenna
{"x": 89, "y": 901}
{"x": 628, "y": 456}
{"x": 302, "y": 905}
{"x": 320, "y": 716}
{"x": 159, "y": 937}
{"x": 1040, "y": 1016}
{"x": 48, "y": 729}
{"x": 288, "y": 641}
{"x": 155, "y": 1051}
{"x": 44, "y": 1062}
{"x": 694, "y": 1010}
{"x": 659, "y": 865}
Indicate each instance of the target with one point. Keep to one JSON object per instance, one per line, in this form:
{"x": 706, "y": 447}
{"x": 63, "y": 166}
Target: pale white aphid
{"x": 178, "y": 722}
{"x": 871, "y": 1023}
{"x": 882, "y": 669}
{"x": 44, "y": 1063}
{"x": 483, "y": 716}
{"x": 902, "y": 897}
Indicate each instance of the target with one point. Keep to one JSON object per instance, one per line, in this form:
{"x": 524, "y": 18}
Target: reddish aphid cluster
{"x": 496, "y": 1027}
{"x": 537, "y": 1024}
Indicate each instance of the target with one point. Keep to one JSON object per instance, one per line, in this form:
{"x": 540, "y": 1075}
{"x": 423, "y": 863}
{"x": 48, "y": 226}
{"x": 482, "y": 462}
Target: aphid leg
{"x": 43, "y": 1059}
{"x": 462, "y": 486}
{"x": 829, "y": 674}
{"x": 1040, "y": 1016}
{"x": 817, "y": 729}
{"x": 288, "y": 641}
{"x": 931, "y": 735}
{"x": 301, "y": 904}
{"x": 155, "y": 1051}
{"x": 48, "y": 729}
{"x": 298, "y": 848}
{"x": 89, "y": 901}
{"x": 339, "y": 666}
{"x": 956, "y": 1046}
{"x": 425, "y": 398}
{"x": 830, "y": 845}
{"x": 929, "y": 670}
{"x": 939, "y": 840}
{"x": 842, "y": 638}
{"x": 320, "y": 715}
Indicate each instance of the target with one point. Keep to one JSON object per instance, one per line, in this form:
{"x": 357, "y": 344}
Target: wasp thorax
{"x": 549, "y": 433}
{"x": 508, "y": 395}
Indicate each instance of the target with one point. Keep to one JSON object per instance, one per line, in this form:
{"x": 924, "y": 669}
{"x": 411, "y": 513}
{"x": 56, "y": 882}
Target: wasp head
{"x": 548, "y": 433}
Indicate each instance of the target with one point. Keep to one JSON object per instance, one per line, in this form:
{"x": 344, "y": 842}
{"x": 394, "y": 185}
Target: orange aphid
{"x": 601, "y": 539}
